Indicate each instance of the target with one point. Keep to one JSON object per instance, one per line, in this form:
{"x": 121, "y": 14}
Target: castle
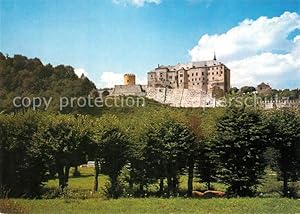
{"x": 182, "y": 85}
{"x": 203, "y": 75}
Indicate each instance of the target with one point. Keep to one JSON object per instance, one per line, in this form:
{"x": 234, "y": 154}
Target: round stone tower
{"x": 129, "y": 79}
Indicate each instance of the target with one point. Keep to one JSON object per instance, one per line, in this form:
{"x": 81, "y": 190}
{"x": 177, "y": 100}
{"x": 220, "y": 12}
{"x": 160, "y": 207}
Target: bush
{"x": 113, "y": 191}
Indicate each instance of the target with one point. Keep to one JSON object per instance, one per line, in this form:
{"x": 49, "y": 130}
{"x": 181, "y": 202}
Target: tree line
{"x": 154, "y": 147}
{"x": 291, "y": 94}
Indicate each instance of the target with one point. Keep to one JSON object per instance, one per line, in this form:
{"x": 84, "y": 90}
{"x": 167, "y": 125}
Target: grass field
{"x": 81, "y": 199}
{"x": 154, "y": 205}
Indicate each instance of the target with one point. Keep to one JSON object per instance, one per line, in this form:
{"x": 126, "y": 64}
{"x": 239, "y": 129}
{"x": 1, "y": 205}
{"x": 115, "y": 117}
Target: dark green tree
{"x": 240, "y": 144}
{"x": 247, "y": 89}
{"x": 207, "y": 163}
{"x": 284, "y": 126}
{"x": 167, "y": 149}
{"x": 22, "y": 162}
{"x": 233, "y": 90}
{"x": 113, "y": 151}
{"x": 65, "y": 138}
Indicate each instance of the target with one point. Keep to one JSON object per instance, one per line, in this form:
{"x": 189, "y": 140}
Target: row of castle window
{"x": 213, "y": 73}
{"x": 196, "y": 79}
{"x": 192, "y": 80}
{"x": 196, "y": 74}
{"x": 213, "y": 68}
{"x": 200, "y": 79}
{"x": 198, "y": 83}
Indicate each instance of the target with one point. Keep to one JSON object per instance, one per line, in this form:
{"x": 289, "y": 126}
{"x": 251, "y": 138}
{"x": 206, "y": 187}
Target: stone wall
{"x": 181, "y": 97}
{"x": 128, "y": 90}
{"x": 280, "y": 104}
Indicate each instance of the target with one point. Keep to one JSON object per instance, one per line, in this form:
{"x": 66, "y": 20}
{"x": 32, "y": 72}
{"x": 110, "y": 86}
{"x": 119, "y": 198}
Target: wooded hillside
{"x": 21, "y": 76}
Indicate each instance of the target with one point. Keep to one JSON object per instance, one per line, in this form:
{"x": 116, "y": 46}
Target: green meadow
{"x": 79, "y": 198}
{"x": 159, "y": 205}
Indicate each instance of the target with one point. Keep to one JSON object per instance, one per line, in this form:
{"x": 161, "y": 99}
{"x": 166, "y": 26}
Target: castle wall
{"x": 181, "y": 97}
{"x": 128, "y": 90}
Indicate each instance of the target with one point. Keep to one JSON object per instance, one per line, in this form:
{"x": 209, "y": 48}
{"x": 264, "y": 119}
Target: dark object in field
{"x": 208, "y": 194}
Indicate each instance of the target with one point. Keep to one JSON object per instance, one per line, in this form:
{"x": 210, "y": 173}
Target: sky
{"x": 259, "y": 40}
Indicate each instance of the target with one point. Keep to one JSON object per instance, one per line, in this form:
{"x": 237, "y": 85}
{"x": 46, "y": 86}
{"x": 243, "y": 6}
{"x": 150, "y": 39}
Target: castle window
{"x": 196, "y": 74}
{"x": 213, "y": 78}
{"x": 181, "y": 75}
{"x": 192, "y": 74}
{"x": 204, "y": 83}
{"x": 192, "y": 79}
{"x": 213, "y": 68}
{"x": 217, "y": 72}
{"x": 202, "y": 73}
{"x": 221, "y": 72}
{"x": 213, "y": 73}
{"x": 180, "y": 80}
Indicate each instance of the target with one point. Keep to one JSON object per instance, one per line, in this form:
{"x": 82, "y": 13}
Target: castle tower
{"x": 129, "y": 79}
